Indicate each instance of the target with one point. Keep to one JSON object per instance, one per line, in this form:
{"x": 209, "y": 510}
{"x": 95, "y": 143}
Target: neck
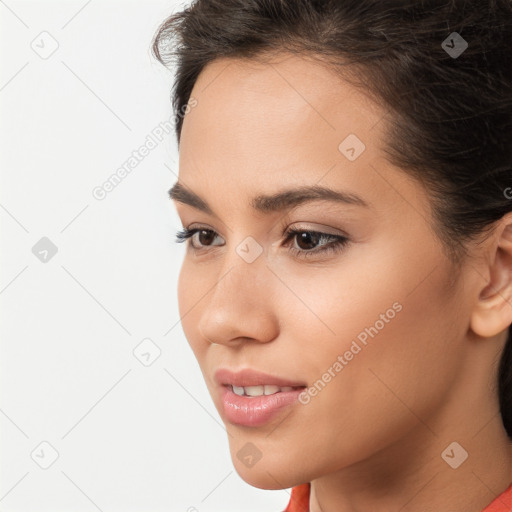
{"x": 401, "y": 482}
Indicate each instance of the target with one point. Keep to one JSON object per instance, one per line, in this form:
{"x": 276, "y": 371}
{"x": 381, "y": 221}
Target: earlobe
{"x": 493, "y": 312}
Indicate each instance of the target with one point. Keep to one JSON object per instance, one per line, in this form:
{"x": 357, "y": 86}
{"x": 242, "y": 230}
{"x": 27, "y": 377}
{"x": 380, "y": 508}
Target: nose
{"x": 241, "y": 306}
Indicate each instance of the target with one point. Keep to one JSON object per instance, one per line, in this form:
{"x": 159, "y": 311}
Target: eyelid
{"x": 313, "y": 226}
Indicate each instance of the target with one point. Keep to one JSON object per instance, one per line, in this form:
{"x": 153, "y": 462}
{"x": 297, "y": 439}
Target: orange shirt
{"x": 299, "y": 500}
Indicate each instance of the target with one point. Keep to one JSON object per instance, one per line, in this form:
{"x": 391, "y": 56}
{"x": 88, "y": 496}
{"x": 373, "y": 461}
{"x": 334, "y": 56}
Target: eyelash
{"x": 339, "y": 242}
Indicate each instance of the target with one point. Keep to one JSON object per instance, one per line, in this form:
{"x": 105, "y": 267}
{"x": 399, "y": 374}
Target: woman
{"x": 346, "y": 195}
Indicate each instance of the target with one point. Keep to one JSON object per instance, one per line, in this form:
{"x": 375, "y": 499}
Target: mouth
{"x": 251, "y": 398}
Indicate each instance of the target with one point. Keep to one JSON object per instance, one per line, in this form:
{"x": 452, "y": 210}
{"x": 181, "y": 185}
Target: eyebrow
{"x": 277, "y": 202}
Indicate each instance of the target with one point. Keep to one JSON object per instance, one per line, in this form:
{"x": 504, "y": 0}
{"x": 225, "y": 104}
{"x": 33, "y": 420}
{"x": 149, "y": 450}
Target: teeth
{"x": 267, "y": 389}
{"x": 238, "y": 390}
{"x": 254, "y": 390}
{"x": 270, "y": 390}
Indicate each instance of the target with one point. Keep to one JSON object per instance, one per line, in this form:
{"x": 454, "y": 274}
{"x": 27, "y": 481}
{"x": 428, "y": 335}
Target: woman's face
{"x": 374, "y": 325}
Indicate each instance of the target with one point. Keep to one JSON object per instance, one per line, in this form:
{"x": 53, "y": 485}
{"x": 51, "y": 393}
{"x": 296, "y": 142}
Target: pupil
{"x": 309, "y": 238}
{"x": 208, "y": 236}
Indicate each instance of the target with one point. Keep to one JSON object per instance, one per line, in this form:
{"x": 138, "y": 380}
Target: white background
{"x": 129, "y": 437}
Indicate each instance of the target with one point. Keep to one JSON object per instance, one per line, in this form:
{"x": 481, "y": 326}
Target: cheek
{"x": 395, "y": 326}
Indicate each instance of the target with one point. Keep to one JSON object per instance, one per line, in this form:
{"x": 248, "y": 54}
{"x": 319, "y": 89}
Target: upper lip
{"x": 250, "y": 377}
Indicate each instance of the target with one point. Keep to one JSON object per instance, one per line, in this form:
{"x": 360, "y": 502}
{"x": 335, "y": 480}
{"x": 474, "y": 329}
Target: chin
{"x": 270, "y": 471}
{"x": 265, "y": 477}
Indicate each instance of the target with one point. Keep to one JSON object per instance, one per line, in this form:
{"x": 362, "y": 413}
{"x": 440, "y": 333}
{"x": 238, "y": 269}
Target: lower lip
{"x": 258, "y": 410}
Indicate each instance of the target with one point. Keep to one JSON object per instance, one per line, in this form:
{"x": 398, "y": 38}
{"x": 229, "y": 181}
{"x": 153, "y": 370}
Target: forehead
{"x": 286, "y": 93}
{"x": 261, "y": 126}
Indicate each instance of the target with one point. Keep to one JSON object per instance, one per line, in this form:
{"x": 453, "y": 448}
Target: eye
{"x": 205, "y": 236}
{"x": 305, "y": 239}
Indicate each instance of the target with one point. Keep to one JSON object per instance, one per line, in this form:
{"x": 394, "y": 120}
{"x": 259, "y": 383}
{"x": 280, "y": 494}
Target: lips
{"x": 249, "y": 378}
{"x": 256, "y": 411}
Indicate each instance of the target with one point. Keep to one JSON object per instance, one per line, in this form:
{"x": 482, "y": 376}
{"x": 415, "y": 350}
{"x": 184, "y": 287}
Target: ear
{"x": 493, "y": 312}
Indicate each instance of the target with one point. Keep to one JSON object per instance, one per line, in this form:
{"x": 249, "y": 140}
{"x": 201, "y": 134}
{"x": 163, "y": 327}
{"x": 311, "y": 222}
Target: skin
{"x": 372, "y": 439}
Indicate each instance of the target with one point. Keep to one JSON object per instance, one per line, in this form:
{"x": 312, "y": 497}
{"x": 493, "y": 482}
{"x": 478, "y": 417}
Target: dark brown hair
{"x": 451, "y": 108}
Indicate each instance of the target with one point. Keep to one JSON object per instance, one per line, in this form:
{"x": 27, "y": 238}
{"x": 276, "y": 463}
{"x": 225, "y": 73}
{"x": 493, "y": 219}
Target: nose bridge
{"x": 240, "y": 283}
{"x": 244, "y": 267}
{"x": 239, "y": 304}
